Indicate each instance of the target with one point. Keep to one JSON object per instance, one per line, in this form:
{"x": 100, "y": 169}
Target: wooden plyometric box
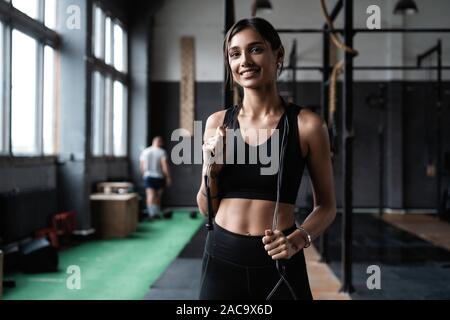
{"x": 114, "y": 215}
{"x": 114, "y": 187}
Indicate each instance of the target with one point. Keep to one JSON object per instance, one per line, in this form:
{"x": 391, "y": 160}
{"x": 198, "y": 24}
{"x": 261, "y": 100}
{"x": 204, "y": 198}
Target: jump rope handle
{"x": 209, "y": 224}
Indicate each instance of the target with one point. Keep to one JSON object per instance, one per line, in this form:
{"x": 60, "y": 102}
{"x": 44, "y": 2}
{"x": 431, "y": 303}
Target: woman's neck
{"x": 259, "y": 102}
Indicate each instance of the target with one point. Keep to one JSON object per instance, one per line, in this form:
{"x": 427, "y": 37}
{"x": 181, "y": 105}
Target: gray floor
{"x": 410, "y": 267}
{"x": 181, "y": 281}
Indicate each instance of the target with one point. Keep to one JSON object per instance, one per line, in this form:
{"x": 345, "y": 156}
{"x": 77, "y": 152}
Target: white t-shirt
{"x": 152, "y": 157}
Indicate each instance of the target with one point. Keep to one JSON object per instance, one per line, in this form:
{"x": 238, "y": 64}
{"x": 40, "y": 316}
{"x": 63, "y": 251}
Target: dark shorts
{"x": 154, "y": 183}
{"x": 237, "y": 267}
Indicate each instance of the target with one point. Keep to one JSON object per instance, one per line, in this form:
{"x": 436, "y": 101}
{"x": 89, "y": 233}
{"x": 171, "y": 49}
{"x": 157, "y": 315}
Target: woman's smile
{"x": 250, "y": 73}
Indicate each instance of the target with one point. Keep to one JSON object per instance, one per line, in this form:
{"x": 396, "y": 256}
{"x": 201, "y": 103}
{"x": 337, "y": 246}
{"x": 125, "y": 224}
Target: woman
{"x": 255, "y": 241}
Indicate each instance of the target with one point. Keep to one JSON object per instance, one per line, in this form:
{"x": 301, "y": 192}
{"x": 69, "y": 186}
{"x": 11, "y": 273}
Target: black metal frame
{"x": 293, "y": 67}
{"x": 439, "y": 170}
{"x": 229, "y": 21}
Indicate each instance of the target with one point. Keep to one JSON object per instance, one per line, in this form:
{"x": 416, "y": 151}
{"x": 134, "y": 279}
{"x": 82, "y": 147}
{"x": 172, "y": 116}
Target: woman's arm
{"x": 214, "y": 121}
{"x": 315, "y": 144}
{"x": 314, "y": 136}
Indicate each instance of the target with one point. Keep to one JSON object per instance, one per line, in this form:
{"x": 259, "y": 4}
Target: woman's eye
{"x": 256, "y": 49}
{"x": 234, "y": 54}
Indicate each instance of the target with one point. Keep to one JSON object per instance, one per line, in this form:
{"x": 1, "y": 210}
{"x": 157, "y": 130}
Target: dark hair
{"x": 263, "y": 27}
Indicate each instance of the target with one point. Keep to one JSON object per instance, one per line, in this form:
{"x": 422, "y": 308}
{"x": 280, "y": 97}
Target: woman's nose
{"x": 245, "y": 59}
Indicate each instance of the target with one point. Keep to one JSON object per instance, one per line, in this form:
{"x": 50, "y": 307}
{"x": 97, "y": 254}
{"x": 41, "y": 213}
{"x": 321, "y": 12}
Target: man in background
{"x": 154, "y": 167}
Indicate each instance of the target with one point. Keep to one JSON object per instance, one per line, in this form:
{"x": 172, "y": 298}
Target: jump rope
{"x": 280, "y": 264}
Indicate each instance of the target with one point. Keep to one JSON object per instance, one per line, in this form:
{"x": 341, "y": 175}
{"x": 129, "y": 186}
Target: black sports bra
{"x": 244, "y": 180}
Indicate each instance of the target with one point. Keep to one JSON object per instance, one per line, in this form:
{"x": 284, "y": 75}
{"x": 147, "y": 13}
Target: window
{"x": 109, "y": 86}
{"x": 119, "y": 48}
{"x": 98, "y": 85}
{"x": 108, "y": 41}
{"x": 3, "y": 116}
{"x": 99, "y": 31}
{"x": 28, "y": 79}
{"x": 120, "y": 120}
{"x": 23, "y": 94}
{"x": 29, "y": 7}
{"x": 108, "y": 133}
{"x": 50, "y": 13}
{"x": 49, "y": 128}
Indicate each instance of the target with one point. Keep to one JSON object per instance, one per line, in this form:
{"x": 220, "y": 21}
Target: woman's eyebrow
{"x": 248, "y": 45}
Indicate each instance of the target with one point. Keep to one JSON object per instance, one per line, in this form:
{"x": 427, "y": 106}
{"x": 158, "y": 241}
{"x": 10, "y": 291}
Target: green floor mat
{"x": 112, "y": 269}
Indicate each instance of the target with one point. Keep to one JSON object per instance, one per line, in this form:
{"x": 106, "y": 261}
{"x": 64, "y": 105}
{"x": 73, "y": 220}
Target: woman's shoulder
{"x": 216, "y": 118}
{"x": 309, "y": 121}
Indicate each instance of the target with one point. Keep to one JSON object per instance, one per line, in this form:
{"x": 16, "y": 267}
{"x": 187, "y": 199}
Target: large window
{"x": 29, "y": 7}
{"x": 120, "y": 119}
{"x": 50, "y": 14}
{"x": 27, "y": 78}
{"x": 23, "y": 94}
{"x": 109, "y": 86}
{"x": 49, "y": 107}
{"x": 3, "y": 116}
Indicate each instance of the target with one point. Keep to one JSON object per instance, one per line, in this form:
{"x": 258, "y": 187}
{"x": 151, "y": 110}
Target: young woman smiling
{"x": 255, "y": 241}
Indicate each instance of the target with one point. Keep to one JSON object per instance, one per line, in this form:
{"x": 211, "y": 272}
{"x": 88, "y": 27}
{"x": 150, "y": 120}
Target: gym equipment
{"x": 187, "y": 85}
{"x": 168, "y": 214}
{"x": 437, "y": 49}
{"x": 38, "y": 256}
{"x": 378, "y": 101}
{"x": 445, "y": 207}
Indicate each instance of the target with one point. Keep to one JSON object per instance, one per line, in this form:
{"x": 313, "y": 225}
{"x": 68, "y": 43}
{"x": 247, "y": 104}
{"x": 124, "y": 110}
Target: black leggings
{"x": 238, "y": 267}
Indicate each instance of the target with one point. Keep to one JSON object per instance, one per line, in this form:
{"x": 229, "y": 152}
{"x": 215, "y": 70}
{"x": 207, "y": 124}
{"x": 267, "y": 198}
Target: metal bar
{"x": 427, "y": 53}
{"x": 375, "y": 68}
{"x": 334, "y": 13}
{"x": 347, "y": 127}
{"x": 229, "y": 21}
{"x": 293, "y": 64}
{"x": 104, "y": 68}
{"x": 438, "y": 50}
{"x": 403, "y": 30}
{"x": 365, "y": 30}
{"x": 411, "y": 68}
{"x": 381, "y": 142}
{"x": 439, "y": 169}
{"x": 324, "y": 256}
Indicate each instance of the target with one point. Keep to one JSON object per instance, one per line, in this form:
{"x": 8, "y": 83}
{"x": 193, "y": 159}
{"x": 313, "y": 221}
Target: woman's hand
{"x": 215, "y": 147}
{"x": 278, "y": 246}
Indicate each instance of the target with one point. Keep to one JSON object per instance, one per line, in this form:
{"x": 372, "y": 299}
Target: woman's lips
{"x": 249, "y": 73}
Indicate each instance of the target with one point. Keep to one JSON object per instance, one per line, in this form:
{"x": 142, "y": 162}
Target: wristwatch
{"x": 306, "y": 236}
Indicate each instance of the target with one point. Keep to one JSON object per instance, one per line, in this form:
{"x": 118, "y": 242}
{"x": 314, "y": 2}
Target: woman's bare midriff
{"x": 253, "y": 217}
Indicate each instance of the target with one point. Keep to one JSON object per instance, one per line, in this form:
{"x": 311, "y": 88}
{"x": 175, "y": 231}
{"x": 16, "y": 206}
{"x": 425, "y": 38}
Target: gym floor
{"x": 411, "y": 268}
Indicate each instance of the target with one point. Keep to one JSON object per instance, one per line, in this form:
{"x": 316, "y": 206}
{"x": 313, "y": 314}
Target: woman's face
{"x": 252, "y": 61}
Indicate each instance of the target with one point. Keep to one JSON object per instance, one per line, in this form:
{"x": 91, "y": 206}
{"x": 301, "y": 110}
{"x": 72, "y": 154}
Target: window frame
{"x": 108, "y": 71}
{"x": 13, "y": 19}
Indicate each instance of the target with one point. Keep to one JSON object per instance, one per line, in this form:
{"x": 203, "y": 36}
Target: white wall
{"x": 203, "y": 19}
